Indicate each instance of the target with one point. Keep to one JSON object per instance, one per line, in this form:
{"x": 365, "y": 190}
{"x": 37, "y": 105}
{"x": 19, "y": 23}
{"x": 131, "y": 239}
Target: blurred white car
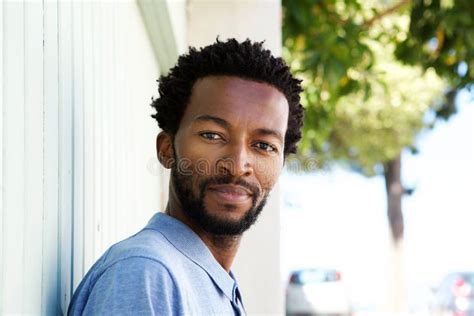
{"x": 317, "y": 292}
{"x": 454, "y": 296}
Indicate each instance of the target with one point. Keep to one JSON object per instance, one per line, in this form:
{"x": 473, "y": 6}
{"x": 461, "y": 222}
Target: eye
{"x": 210, "y": 136}
{"x": 266, "y": 147}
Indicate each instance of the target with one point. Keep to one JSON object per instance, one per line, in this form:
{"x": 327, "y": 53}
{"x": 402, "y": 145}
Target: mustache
{"x": 229, "y": 179}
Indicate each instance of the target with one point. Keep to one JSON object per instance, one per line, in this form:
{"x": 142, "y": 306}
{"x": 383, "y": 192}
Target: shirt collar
{"x": 189, "y": 244}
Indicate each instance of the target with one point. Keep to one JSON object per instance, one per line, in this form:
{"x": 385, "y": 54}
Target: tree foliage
{"x": 372, "y": 71}
{"x": 363, "y": 105}
{"x": 371, "y": 130}
{"x": 441, "y": 36}
{"x": 322, "y": 43}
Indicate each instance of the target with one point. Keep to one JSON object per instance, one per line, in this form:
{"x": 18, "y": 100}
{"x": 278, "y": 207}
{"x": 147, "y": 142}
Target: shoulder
{"x": 134, "y": 285}
{"x": 135, "y": 272}
{"x": 148, "y": 247}
{"x": 132, "y": 274}
{"x": 146, "y": 255}
{"x": 136, "y": 267}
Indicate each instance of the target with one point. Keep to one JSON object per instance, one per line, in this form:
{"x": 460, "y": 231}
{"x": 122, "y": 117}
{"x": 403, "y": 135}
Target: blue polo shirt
{"x": 165, "y": 269}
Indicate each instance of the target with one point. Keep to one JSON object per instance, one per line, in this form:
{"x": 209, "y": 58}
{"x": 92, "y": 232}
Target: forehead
{"x": 238, "y": 101}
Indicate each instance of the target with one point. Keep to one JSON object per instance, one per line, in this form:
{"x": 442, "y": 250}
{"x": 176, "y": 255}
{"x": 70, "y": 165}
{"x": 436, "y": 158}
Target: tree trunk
{"x": 396, "y": 278}
{"x": 394, "y": 187}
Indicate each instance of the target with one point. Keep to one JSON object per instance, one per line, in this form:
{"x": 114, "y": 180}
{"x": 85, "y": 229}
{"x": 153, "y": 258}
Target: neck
{"x": 223, "y": 247}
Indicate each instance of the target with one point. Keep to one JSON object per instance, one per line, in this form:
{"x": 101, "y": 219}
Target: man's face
{"x": 228, "y": 152}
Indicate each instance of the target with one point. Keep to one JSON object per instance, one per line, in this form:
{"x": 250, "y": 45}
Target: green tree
{"x": 363, "y": 106}
{"x": 336, "y": 47}
{"x": 441, "y": 36}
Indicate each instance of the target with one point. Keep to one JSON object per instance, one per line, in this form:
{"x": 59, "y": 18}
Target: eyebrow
{"x": 215, "y": 119}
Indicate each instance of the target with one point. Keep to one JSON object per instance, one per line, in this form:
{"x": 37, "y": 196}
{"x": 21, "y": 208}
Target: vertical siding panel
{"x": 79, "y": 159}
{"x": 125, "y": 116}
{"x": 122, "y": 123}
{"x": 2, "y": 76}
{"x": 33, "y": 231}
{"x": 123, "y": 130}
{"x": 88, "y": 228}
{"x": 66, "y": 143}
{"x": 116, "y": 127}
{"x": 14, "y": 157}
{"x": 98, "y": 130}
{"x": 114, "y": 107}
{"x": 51, "y": 155}
{"x": 133, "y": 140}
{"x": 130, "y": 185}
{"x": 108, "y": 143}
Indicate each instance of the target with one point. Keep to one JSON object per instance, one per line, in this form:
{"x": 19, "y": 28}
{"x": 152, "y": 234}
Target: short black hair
{"x": 247, "y": 60}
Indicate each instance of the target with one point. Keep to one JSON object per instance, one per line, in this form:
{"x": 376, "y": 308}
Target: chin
{"x": 227, "y": 213}
{"x": 229, "y": 223}
{"x": 231, "y": 218}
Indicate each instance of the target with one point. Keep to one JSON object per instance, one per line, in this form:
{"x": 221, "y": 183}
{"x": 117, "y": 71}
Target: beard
{"x": 195, "y": 208}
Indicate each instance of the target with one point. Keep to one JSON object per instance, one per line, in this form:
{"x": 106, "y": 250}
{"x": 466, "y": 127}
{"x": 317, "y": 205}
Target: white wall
{"x": 257, "y": 266}
{"x": 29, "y": 215}
{"x": 78, "y": 170}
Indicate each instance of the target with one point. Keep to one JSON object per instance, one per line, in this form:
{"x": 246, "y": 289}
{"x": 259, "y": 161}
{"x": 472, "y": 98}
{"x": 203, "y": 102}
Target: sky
{"x": 338, "y": 218}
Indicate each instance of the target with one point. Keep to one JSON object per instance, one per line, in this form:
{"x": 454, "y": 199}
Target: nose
{"x": 236, "y": 162}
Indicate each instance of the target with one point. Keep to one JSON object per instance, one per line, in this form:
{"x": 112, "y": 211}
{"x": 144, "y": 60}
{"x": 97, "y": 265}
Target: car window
{"x": 332, "y": 276}
{"x": 468, "y": 278}
{"x": 314, "y": 276}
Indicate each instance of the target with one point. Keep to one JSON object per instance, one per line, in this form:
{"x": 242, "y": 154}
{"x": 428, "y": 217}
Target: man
{"x": 230, "y": 113}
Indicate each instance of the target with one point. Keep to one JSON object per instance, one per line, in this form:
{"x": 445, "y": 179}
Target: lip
{"x": 230, "y": 193}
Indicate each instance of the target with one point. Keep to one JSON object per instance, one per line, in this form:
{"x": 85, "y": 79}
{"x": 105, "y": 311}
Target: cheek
{"x": 268, "y": 172}
{"x": 197, "y": 163}
{"x": 192, "y": 180}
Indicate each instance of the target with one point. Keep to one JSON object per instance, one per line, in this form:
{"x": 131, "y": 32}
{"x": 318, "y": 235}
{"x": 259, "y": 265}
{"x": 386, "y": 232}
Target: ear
{"x": 164, "y": 149}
